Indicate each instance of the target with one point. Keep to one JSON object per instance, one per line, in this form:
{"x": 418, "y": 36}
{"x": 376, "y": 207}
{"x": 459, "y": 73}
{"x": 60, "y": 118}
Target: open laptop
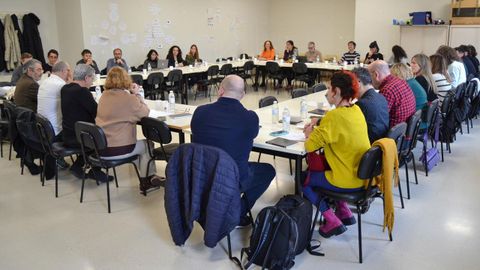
{"x": 162, "y": 64}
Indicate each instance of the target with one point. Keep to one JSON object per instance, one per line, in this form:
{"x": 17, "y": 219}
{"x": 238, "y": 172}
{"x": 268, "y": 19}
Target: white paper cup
{"x": 361, "y": 64}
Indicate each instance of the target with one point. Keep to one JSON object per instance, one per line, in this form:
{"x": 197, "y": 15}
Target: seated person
{"x": 78, "y": 104}
{"x": 373, "y": 54}
{"x": 26, "y": 91}
{"x": 290, "y": 53}
{"x": 422, "y": 70}
{"x": 49, "y": 96}
{"x": 119, "y": 110}
{"x": 342, "y": 133}
{"x": 404, "y": 72}
{"x": 87, "y": 59}
{"x": 456, "y": 69}
{"x": 152, "y": 59}
{"x": 351, "y": 56}
{"x": 174, "y": 57}
{"x": 312, "y": 54}
{"x": 373, "y": 105}
{"x": 18, "y": 71}
{"x": 117, "y": 60}
{"x": 193, "y": 56}
{"x": 440, "y": 75}
{"x": 52, "y": 56}
{"x": 400, "y": 98}
{"x": 226, "y": 124}
{"x": 268, "y": 54}
{"x": 462, "y": 52}
{"x": 398, "y": 56}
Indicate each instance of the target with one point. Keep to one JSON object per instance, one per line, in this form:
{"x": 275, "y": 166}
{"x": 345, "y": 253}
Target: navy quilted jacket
{"x": 202, "y": 185}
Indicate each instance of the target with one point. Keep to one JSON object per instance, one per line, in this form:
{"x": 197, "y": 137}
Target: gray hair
{"x": 59, "y": 67}
{"x": 81, "y": 71}
{"x": 363, "y": 75}
{"x": 30, "y": 65}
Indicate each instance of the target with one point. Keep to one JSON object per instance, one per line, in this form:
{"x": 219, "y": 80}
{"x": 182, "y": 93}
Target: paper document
{"x": 294, "y": 136}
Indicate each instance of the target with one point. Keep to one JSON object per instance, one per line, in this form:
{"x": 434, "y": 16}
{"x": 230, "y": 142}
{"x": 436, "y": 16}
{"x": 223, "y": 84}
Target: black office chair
{"x": 299, "y": 92}
{"x": 319, "y": 87}
{"x": 154, "y": 85}
{"x": 447, "y": 134}
{"x": 266, "y": 101}
{"x": 210, "y": 80}
{"x": 157, "y": 131}
{"x": 174, "y": 83}
{"x": 225, "y": 70}
{"x": 274, "y": 73}
{"x": 9, "y": 109}
{"x": 56, "y": 150}
{"x": 300, "y": 71}
{"x": 428, "y": 116}
{"x": 370, "y": 166}
{"x": 409, "y": 143}
{"x": 137, "y": 78}
{"x": 92, "y": 141}
{"x": 397, "y": 133}
{"x": 247, "y": 71}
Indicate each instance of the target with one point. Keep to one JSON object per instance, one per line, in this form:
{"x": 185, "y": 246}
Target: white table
{"x": 296, "y": 151}
{"x": 321, "y": 65}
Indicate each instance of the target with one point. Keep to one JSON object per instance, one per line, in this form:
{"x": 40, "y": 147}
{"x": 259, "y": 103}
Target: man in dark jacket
{"x": 226, "y": 124}
{"x": 26, "y": 91}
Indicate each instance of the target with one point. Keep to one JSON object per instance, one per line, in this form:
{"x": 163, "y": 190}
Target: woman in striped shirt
{"x": 440, "y": 75}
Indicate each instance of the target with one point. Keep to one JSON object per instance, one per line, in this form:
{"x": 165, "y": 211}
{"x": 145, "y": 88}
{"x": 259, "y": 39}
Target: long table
{"x": 297, "y": 151}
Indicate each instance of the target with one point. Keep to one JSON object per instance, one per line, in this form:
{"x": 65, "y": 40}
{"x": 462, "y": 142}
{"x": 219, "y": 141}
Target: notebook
{"x": 318, "y": 111}
{"x": 178, "y": 115}
{"x": 281, "y": 142}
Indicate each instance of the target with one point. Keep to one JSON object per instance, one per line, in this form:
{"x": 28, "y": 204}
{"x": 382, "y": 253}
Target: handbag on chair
{"x": 432, "y": 156}
{"x": 316, "y": 163}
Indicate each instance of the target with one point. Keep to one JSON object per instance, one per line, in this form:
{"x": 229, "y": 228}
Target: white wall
{"x": 238, "y": 26}
{"x": 69, "y": 17}
{"x": 373, "y": 20}
{"x": 45, "y": 10}
{"x": 330, "y": 24}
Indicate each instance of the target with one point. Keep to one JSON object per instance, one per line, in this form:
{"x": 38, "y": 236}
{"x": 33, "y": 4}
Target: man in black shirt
{"x": 373, "y": 105}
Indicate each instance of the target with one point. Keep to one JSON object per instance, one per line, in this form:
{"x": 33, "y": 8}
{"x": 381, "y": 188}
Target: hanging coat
{"x": 3, "y": 65}
{"x": 19, "y": 32}
{"x": 12, "y": 48}
{"x": 31, "y": 36}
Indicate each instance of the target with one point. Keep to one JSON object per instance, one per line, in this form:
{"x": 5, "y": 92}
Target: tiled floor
{"x": 436, "y": 230}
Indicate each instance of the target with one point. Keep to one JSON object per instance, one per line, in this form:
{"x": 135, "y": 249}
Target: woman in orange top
{"x": 267, "y": 54}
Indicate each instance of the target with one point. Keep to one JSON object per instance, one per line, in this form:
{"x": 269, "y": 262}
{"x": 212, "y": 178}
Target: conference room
{"x": 259, "y": 94}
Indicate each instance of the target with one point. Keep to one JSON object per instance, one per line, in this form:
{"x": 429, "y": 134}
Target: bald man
{"x": 400, "y": 98}
{"x": 226, "y": 124}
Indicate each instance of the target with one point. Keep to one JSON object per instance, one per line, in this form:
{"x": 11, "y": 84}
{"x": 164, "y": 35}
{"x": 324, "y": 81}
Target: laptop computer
{"x": 162, "y": 64}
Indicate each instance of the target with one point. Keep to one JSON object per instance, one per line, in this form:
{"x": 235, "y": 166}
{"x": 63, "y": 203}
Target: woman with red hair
{"x": 343, "y": 135}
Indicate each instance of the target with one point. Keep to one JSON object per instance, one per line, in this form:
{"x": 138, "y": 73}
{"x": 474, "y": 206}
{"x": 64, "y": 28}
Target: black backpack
{"x": 280, "y": 233}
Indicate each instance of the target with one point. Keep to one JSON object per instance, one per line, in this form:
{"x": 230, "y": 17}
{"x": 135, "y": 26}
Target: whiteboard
{"x": 423, "y": 38}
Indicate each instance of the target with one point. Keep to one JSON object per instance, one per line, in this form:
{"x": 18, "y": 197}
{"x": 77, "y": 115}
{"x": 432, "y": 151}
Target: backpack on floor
{"x": 280, "y": 233}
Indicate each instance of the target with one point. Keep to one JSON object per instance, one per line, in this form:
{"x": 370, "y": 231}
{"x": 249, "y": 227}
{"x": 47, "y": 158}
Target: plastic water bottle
{"x": 141, "y": 92}
{"x": 355, "y": 62}
{"x": 334, "y": 60}
{"x": 303, "y": 109}
{"x": 171, "y": 102}
{"x": 318, "y": 59}
{"x": 98, "y": 93}
{"x": 149, "y": 67}
{"x": 286, "y": 119}
{"x": 276, "y": 57}
{"x": 275, "y": 112}
{"x": 129, "y": 70}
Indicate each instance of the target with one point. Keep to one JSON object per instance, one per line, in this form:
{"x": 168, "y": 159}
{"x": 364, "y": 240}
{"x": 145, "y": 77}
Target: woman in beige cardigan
{"x": 119, "y": 110}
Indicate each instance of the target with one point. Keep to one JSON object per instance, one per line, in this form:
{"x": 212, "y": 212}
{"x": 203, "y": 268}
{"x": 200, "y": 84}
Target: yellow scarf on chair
{"x": 384, "y": 180}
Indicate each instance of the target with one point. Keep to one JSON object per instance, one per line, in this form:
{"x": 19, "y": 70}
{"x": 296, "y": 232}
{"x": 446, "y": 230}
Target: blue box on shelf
{"x": 421, "y": 17}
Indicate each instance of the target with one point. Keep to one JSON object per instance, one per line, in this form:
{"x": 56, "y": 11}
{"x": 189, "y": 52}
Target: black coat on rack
{"x": 19, "y": 32}
{"x": 33, "y": 42}
{"x": 3, "y": 65}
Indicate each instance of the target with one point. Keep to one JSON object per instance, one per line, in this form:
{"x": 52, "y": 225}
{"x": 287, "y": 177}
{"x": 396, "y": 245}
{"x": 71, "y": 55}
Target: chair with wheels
{"x": 92, "y": 141}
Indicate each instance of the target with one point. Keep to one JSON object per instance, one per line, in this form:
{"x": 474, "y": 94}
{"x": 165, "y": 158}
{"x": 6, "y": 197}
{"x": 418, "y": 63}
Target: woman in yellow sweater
{"x": 343, "y": 135}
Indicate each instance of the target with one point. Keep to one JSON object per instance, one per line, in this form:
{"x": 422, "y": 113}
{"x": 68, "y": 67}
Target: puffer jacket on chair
{"x": 202, "y": 185}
